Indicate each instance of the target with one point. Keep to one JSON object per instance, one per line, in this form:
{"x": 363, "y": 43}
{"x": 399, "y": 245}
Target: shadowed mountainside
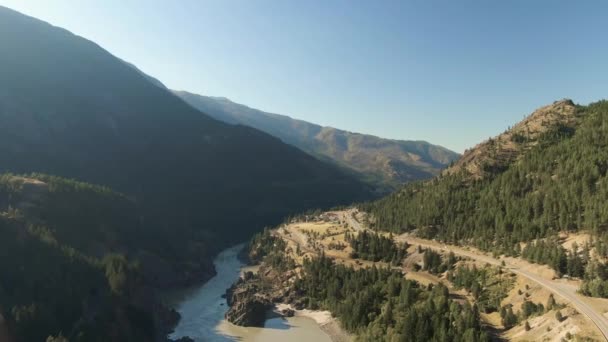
{"x": 186, "y": 186}
{"x": 71, "y": 109}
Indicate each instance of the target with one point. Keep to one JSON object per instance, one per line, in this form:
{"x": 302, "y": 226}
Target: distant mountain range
{"x": 383, "y": 161}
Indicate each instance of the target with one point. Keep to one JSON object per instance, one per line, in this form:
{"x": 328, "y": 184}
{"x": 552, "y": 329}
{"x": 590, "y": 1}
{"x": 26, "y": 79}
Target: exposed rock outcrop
{"x": 248, "y": 306}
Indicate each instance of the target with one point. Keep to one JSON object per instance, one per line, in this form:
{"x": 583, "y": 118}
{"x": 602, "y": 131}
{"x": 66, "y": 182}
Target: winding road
{"x": 566, "y": 291}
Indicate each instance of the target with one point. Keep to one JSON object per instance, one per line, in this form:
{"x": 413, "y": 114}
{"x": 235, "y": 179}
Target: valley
{"x": 132, "y": 212}
{"x": 311, "y": 236}
{"x": 115, "y": 186}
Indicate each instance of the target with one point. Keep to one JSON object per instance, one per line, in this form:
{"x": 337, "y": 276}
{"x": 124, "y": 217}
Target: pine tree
{"x": 551, "y": 302}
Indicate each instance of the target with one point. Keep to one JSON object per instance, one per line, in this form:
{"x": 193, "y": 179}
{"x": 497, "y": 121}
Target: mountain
{"x": 391, "y": 162}
{"x": 70, "y": 108}
{"x": 174, "y": 187}
{"x": 153, "y": 80}
{"x": 498, "y": 153}
{"x": 538, "y": 192}
{"x": 544, "y": 176}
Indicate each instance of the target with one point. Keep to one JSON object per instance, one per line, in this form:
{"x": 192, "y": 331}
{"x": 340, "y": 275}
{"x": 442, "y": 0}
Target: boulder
{"x": 288, "y": 312}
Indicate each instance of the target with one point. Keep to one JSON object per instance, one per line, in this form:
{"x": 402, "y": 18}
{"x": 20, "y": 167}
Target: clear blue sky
{"x": 449, "y": 72}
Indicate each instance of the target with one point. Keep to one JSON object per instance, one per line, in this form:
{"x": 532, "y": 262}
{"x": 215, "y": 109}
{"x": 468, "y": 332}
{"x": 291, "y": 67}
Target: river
{"x": 202, "y": 310}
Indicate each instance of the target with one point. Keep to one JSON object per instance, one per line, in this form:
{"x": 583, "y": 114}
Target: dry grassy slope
{"x": 498, "y": 152}
{"x": 544, "y": 327}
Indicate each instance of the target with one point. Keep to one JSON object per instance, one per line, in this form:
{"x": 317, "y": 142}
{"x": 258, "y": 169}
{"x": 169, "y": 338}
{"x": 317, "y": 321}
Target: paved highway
{"x": 566, "y": 291}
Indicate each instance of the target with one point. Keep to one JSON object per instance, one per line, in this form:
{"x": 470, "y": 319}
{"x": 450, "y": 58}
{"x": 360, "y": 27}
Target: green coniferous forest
{"x": 375, "y": 247}
{"x": 559, "y": 185}
{"x": 379, "y": 304}
{"x": 58, "y": 274}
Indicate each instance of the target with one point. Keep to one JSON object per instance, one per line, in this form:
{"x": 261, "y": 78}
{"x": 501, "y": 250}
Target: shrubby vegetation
{"x": 376, "y": 247}
{"x": 379, "y": 304}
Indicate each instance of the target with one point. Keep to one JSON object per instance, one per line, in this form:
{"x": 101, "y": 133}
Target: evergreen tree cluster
{"x": 550, "y": 252}
{"x": 59, "y": 274}
{"x": 264, "y": 243}
{"x": 48, "y": 288}
{"x": 488, "y": 285}
{"x": 376, "y": 247}
{"x": 595, "y": 281}
{"x": 508, "y": 318}
{"x": 267, "y": 247}
{"x": 529, "y": 309}
{"x": 379, "y": 304}
{"x": 576, "y": 262}
{"x": 435, "y": 263}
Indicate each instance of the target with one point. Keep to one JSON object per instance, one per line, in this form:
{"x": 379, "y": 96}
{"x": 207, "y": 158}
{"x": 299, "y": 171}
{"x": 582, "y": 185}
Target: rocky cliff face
{"x": 253, "y": 296}
{"x": 248, "y": 306}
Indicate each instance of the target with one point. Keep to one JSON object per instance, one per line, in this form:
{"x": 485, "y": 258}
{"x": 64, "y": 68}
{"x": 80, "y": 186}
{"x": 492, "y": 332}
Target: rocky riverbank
{"x": 248, "y": 303}
{"x": 251, "y": 305}
{"x": 271, "y": 291}
{"x": 252, "y": 297}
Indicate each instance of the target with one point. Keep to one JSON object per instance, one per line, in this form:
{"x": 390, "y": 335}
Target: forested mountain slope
{"x": 62, "y": 268}
{"x": 71, "y": 109}
{"x": 85, "y": 260}
{"x": 391, "y": 162}
{"x": 494, "y": 197}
